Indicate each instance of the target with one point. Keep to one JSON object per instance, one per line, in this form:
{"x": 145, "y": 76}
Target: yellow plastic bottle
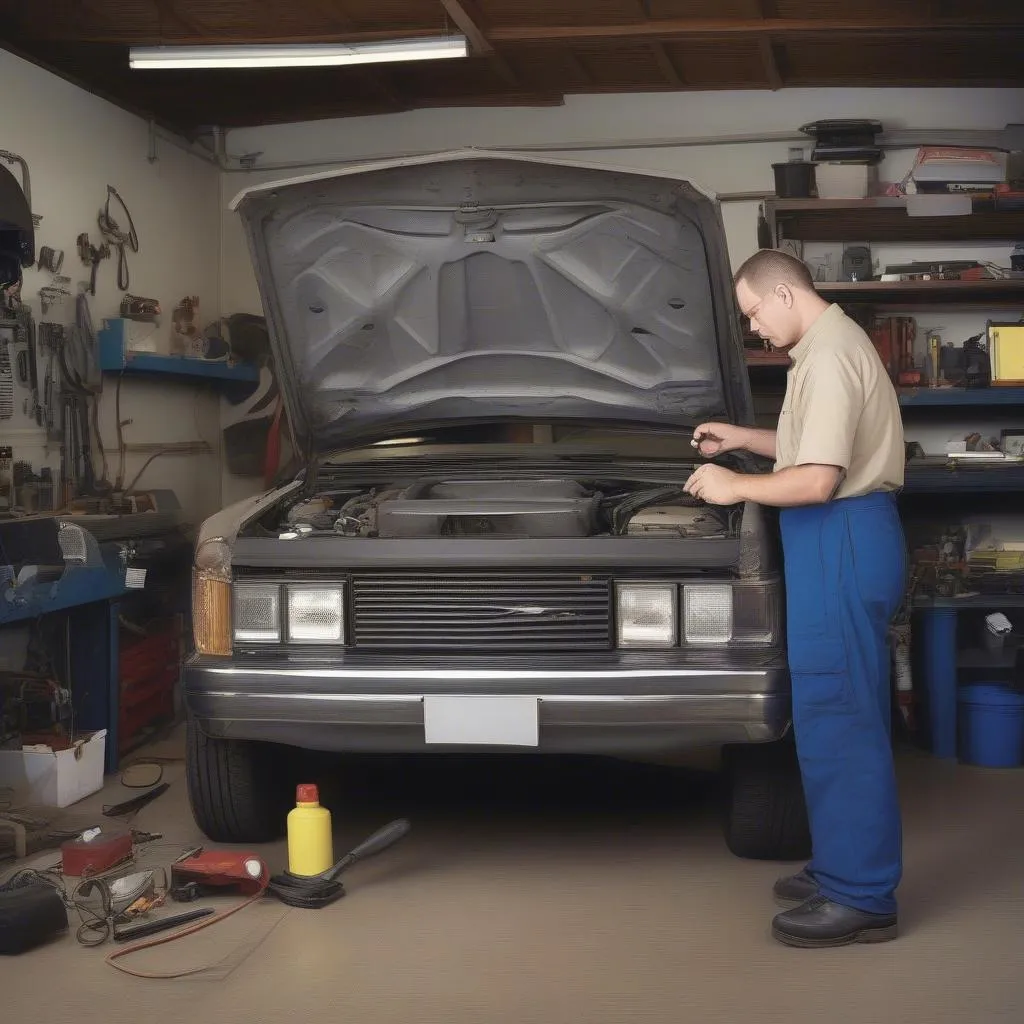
{"x": 310, "y": 846}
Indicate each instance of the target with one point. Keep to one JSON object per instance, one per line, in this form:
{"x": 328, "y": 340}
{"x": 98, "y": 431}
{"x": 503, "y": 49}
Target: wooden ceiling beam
{"x": 169, "y": 12}
{"x": 769, "y": 51}
{"x": 725, "y": 28}
{"x": 766, "y": 45}
{"x": 580, "y": 70}
{"x": 39, "y": 25}
{"x": 470, "y": 22}
{"x": 666, "y": 65}
{"x": 332, "y": 13}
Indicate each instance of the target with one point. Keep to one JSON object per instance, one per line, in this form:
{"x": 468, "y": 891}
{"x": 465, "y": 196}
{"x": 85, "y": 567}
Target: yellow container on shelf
{"x": 310, "y": 846}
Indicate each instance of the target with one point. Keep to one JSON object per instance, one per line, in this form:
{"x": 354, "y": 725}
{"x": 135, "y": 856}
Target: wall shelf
{"x": 938, "y": 477}
{"x": 967, "y": 397}
{"x": 761, "y": 357}
{"x": 987, "y": 293}
{"x": 885, "y": 219}
{"x": 977, "y": 602}
{"x": 116, "y": 356}
{"x": 179, "y": 366}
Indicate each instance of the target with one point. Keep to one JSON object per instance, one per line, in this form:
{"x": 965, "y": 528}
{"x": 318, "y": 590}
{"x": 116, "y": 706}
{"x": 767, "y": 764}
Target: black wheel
{"x": 239, "y": 790}
{"x": 765, "y": 812}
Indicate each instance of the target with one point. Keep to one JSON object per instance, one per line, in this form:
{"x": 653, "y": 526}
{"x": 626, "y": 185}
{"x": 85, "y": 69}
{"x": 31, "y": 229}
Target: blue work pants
{"x": 845, "y": 579}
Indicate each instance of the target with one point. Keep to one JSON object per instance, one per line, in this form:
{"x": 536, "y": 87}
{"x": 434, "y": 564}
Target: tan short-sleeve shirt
{"x": 841, "y": 409}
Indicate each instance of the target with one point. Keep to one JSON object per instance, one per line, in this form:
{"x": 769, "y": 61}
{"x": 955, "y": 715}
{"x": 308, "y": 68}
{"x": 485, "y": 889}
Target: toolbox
{"x": 149, "y": 670}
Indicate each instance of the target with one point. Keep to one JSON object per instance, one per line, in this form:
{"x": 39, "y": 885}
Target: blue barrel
{"x": 991, "y": 720}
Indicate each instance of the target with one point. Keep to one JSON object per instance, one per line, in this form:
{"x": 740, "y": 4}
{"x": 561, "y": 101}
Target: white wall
{"x": 648, "y": 121}
{"x": 75, "y": 145}
{"x": 636, "y": 131}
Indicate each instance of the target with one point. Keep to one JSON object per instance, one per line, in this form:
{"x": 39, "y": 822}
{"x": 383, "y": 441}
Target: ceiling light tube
{"x": 303, "y": 55}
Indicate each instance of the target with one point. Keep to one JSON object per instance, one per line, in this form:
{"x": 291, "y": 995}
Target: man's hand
{"x": 712, "y": 439}
{"x": 715, "y": 485}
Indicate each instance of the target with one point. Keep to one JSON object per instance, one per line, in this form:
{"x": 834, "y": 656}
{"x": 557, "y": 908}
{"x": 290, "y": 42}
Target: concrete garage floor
{"x": 571, "y": 891}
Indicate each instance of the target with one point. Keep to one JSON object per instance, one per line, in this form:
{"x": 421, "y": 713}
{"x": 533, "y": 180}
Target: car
{"x": 492, "y": 367}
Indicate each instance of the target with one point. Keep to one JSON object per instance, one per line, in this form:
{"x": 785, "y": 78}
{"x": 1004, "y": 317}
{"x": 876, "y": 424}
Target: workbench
{"x": 89, "y": 596}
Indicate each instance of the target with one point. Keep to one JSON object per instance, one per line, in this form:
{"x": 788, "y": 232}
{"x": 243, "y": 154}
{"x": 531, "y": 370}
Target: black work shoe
{"x": 793, "y": 890}
{"x": 819, "y": 923}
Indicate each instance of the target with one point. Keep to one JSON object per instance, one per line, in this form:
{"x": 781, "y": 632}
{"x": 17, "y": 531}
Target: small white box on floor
{"x": 41, "y": 777}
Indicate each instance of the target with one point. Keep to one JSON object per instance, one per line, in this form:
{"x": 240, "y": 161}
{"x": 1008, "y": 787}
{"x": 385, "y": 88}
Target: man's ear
{"x": 785, "y": 293}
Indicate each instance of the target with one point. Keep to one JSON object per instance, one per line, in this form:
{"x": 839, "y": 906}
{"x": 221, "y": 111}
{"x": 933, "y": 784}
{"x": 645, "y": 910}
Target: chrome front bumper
{"x": 615, "y": 705}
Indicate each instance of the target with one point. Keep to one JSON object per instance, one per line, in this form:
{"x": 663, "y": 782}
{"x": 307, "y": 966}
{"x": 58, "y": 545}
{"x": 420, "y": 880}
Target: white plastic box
{"x": 845, "y": 181}
{"x": 41, "y": 777}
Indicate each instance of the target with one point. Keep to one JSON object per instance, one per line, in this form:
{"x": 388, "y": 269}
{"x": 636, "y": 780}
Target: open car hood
{"x": 478, "y": 285}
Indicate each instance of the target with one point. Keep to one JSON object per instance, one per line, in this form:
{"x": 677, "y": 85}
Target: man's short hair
{"x": 769, "y": 267}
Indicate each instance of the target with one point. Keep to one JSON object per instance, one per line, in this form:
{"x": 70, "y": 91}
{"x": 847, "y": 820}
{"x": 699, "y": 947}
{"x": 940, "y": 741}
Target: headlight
{"x": 707, "y": 613}
{"x": 648, "y": 615}
{"x": 316, "y": 615}
{"x": 301, "y": 613}
{"x": 257, "y": 612}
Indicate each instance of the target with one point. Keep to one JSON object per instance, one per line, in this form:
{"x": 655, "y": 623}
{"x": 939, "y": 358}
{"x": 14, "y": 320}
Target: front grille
{"x": 481, "y": 612}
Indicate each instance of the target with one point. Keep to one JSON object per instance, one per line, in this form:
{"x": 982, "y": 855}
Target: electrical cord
{"x": 135, "y": 479}
{"x": 96, "y": 926}
{"x": 120, "y": 434}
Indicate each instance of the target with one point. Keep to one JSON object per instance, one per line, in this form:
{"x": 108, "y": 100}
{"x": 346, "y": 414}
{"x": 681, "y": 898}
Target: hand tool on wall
{"x": 136, "y": 307}
{"x": 92, "y": 256}
{"x": 19, "y": 329}
{"x": 51, "y": 259}
{"x": 51, "y": 341}
{"x": 118, "y": 238}
{"x": 6, "y": 380}
{"x": 54, "y": 294}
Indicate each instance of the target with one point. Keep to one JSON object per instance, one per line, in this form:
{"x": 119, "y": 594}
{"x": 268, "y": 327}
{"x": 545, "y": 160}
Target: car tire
{"x": 765, "y": 811}
{"x": 237, "y": 789}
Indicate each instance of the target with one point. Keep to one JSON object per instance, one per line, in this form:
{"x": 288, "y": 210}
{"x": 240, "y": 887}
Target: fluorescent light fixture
{"x": 303, "y": 55}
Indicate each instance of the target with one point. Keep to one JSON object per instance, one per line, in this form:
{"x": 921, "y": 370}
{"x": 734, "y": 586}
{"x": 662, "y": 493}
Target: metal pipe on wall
{"x": 1010, "y": 137}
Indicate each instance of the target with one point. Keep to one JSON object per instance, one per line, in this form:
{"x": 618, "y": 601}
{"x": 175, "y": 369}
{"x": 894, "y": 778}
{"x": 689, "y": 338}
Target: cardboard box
{"x": 42, "y": 777}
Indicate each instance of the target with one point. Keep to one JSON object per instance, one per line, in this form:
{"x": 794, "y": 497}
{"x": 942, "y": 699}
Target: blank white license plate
{"x": 490, "y": 721}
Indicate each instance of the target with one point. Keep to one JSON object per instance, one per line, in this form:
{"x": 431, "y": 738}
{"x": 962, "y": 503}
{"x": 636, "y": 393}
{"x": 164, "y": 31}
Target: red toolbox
{"x": 149, "y": 671}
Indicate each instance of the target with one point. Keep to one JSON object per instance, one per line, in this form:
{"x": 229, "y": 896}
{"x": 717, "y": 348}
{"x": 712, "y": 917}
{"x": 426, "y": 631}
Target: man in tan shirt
{"x": 839, "y": 459}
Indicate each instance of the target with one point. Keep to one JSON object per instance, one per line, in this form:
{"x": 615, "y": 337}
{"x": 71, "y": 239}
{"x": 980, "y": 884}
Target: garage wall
{"x": 76, "y": 144}
{"x": 639, "y": 130}
{"x": 649, "y": 122}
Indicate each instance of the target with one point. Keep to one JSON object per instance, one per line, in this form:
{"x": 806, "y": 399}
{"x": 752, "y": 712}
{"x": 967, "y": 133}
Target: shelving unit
{"x": 987, "y": 294}
{"x": 886, "y": 220}
{"x": 117, "y": 356}
{"x": 963, "y": 397}
{"x": 177, "y": 366}
{"x": 937, "y": 476}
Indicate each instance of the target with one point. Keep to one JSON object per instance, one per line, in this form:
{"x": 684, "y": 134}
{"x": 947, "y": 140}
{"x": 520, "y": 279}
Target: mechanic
{"x": 839, "y": 461}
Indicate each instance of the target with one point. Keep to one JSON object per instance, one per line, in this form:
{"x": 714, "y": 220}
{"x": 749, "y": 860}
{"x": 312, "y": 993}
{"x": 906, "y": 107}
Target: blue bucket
{"x": 991, "y": 726}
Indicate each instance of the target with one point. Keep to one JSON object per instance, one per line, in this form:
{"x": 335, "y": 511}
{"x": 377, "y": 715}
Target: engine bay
{"x": 552, "y": 507}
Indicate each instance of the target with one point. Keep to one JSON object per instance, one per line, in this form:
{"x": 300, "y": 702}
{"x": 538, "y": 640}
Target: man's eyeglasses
{"x": 752, "y": 314}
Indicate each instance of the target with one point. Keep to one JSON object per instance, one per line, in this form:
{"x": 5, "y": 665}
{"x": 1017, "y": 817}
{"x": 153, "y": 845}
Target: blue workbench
{"x": 90, "y": 595}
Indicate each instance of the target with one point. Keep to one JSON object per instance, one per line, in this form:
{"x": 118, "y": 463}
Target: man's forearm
{"x": 760, "y": 442}
{"x": 787, "y": 488}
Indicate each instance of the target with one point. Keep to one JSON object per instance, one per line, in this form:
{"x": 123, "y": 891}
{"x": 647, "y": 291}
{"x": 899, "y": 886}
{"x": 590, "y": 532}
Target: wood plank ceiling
{"x": 523, "y": 52}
